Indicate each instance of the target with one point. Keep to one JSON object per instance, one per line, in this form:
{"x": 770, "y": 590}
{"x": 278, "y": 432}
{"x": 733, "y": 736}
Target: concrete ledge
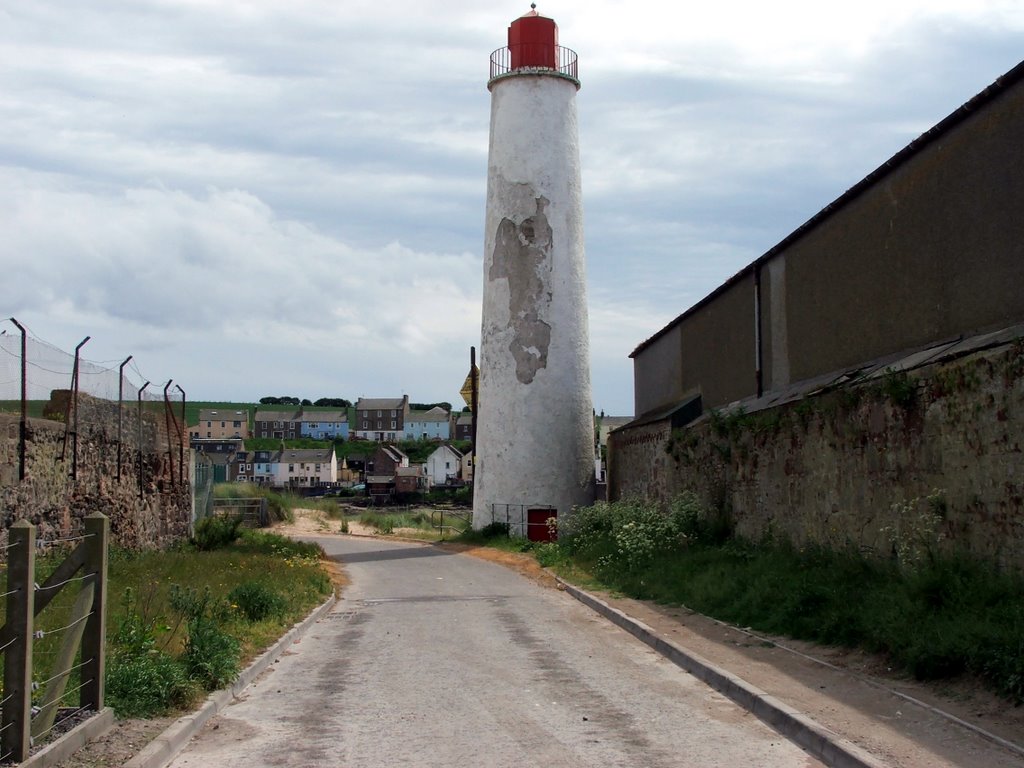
{"x": 168, "y": 744}
{"x": 77, "y": 737}
{"x": 821, "y": 743}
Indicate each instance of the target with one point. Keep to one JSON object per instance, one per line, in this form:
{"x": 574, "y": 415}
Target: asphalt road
{"x": 439, "y": 659}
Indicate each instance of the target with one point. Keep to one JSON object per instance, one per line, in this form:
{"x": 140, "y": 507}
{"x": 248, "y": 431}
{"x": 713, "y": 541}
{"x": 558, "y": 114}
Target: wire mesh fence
{"x": 78, "y": 435}
{"x": 85, "y": 395}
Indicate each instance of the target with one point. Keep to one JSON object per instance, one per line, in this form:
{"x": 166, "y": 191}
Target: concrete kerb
{"x": 168, "y": 744}
{"x": 821, "y": 743}
{"x": 62, "y": 748}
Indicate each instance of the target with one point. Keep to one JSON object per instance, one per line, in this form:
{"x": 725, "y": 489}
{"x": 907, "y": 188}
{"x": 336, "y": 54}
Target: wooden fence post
{"x": 97, "y": 529}
{"x": 16, "y": 717}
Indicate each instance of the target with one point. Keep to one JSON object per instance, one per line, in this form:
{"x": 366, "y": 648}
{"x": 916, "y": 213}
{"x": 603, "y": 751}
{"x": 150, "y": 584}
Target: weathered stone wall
{"x": 51, "y": 499}
{"x": 835, "y": 468}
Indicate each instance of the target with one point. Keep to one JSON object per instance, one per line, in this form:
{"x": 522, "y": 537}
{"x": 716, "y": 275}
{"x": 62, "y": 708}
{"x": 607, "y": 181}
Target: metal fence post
{"x": 141, "y": 461}
{"x": 16, "y": 717}
{"x": 97, "y": 531}
{"x": 120, "y": 408}
{"x": 23, "y": 428}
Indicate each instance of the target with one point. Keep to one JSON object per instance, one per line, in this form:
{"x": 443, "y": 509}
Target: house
{"x": 217, "y": 424}
{"x": 305, "y": 468}
{"x": 324, "y": 425}
{"x": 444, "y": 465}
{"x": 410, "y": 479}
{"x": 263, "y": 467}
{"x": 466, "y": 468}
{"x": 464, "y": 426}
{"x": 435, "y": 424}
{"x": 386, "y": 461}
{"x": 240, "y": 469}
{"x": 380, "y": 488}
{"x": 220, "y": 454}
{"x": 381, "y": 419}
{"x": 283, "y": 425}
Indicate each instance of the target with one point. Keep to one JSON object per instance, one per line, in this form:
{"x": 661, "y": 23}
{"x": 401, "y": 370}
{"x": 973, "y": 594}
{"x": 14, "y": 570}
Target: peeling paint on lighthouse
{"x": 534, "y": 446}
{"x": 522, "y": 255}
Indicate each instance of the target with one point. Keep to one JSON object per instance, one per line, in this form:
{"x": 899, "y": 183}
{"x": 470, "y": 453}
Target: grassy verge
{"x": 417, "y": 522}
{"x": 184, "y": 621}
{"x": 935, "y": 616}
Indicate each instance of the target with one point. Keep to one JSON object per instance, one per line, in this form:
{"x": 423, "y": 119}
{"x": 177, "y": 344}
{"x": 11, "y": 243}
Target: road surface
{"x": 439, "y": 659}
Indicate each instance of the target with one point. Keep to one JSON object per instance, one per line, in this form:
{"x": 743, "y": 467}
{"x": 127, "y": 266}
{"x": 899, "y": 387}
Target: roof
{"x": 262, "y": 415}
{"x": 380, "y": 403}
{"x": 325, "y": 416}
{"x": 395, "y": 453}
{"x": 449, "y": 448}
{"x": 305, "y": 454}
{"x": 915, "y": 147}
{"x": 466, "y": 417}
{"x": 416, "y": 471}
{"x": 437, "y": 413}
{"x": 213, "y": 414}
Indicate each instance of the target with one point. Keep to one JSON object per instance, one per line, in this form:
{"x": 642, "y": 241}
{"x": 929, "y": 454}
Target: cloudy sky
{"x": 259, "y": 197}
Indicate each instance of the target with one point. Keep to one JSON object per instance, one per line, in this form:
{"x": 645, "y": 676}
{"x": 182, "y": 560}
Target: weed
{"x": 216, "y": 532}
{"x": 256, "y": 601}
{"x": 899, "y": 388}
{"x": 212, "y": 656}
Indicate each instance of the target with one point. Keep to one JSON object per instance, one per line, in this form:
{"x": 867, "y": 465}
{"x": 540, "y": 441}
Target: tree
{"x": 333, "y": 402}
{"x": 306, "y": 401}
{"x": 428, "y": 406}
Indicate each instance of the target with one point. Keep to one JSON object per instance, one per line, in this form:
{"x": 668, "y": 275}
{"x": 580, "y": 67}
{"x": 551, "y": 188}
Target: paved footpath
{"x": 438, "y": 659}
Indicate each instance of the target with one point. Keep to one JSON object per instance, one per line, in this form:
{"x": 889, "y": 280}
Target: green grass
{"x": 948, "y": 614}
{"x": 33, "y": 407}
{"x": 153, "y": 644}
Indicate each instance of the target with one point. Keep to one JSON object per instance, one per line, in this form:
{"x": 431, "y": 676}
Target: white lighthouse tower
{"x": 534, "y": 446}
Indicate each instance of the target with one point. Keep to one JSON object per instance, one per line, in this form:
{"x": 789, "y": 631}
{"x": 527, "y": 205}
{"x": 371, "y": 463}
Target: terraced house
{"x": 381, "y": 418}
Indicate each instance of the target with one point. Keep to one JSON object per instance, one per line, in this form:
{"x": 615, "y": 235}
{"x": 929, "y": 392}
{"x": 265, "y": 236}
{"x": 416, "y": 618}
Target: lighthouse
{"x": 534, "y": 445}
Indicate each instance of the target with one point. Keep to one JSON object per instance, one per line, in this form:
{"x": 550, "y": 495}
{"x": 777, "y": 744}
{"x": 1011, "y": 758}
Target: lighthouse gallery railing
{"x": 534, "y": 56}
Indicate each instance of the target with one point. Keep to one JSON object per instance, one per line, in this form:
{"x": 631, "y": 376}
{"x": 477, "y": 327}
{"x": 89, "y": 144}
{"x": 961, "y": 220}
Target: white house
{"x": 305, "y": 468}
{"x": 444, "y": 465}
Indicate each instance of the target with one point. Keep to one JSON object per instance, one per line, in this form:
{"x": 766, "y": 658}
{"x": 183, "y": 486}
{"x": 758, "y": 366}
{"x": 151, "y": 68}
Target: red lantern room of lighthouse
{"x": 533, "y": 45}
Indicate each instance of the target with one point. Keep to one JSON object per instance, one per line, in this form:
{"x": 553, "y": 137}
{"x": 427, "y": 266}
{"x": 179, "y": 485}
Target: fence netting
{"x": 143, "y": 423}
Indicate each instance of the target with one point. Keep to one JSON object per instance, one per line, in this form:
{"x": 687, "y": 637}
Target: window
{"x": 366, "y": 424}
{"x": 277, "y": 424}
{"x": 291, "y": 435}
{"x": 236, "y": 424}
{"x": 291, "y": 468}
{"x": 394, "y": 424}
{"x": 314, "y": 425}
{"x": 208, "y": 434}
{"x": 317, "y": 468}
{"x": 394, "y": 414}
{"x": 222, "y": 425}
{"x": 379, "y": 414}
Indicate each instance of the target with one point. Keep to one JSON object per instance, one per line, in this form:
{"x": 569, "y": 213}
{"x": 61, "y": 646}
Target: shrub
{"x": 142, "y": 681}
{"x": 211, "y": 655}
{"x": 147, "y": 684}
{"x": 385, "y": 524}
{"x": 256, "y": 601}
{"x": 494, "y": 530}
{"x": 216, "y": 532}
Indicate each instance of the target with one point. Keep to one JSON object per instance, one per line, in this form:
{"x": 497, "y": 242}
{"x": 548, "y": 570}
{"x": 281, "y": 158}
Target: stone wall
{"x": 51, "y": 499}
{"x": 853, "y": 467}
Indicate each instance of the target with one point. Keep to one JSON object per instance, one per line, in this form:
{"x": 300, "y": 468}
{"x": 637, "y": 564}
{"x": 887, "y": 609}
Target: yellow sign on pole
{"x": 467, "y": 387}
